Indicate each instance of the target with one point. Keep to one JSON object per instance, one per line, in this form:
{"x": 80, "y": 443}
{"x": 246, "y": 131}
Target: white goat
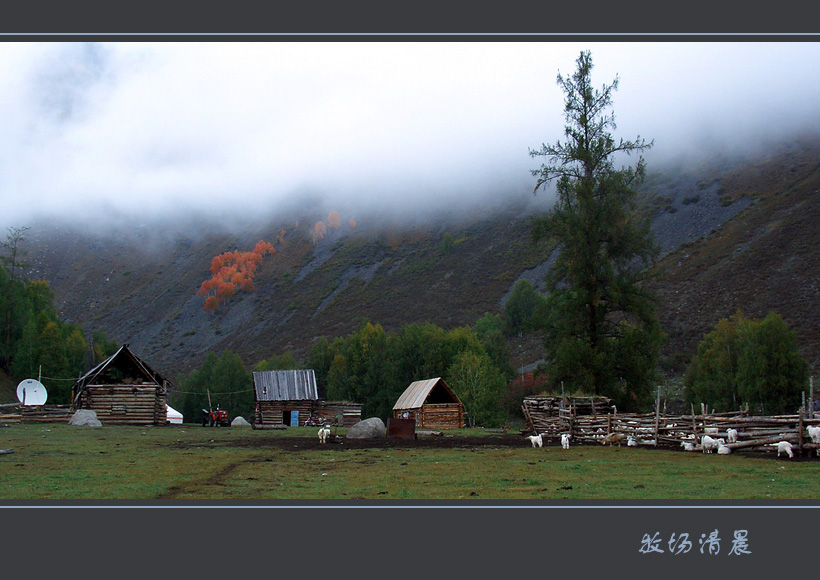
{"x": 565, "y": 438}
{"x": 814, "y": 433}
{"x": 324, "y": 432}
{"x": 631, "y": 441}
{"x": 785, "y": 447}
{"x": 536, "y": 440}
{"x": 687, "y": 445}
{"x": 708, "y": 444}
{"x": 724, "y": 450}
{"x": 731, "y": 435}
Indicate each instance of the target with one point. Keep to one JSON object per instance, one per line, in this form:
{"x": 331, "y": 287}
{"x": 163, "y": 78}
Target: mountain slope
{"x": 766, "y": 258}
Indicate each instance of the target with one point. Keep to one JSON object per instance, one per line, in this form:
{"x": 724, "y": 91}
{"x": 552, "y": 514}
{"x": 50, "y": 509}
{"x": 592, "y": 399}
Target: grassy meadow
{"x": 62, "y": 462}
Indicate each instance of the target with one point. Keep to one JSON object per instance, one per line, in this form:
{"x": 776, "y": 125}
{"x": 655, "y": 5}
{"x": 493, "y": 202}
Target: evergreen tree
{"x": 9, "y": 290}
{"x": 602, "y": 332}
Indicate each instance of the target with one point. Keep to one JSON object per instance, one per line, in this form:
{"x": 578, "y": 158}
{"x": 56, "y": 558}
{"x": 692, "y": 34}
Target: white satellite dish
{"x": 31, "y": 392}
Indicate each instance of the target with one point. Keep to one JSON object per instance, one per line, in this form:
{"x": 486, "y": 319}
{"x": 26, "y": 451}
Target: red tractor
{"x": 216, "y": 418}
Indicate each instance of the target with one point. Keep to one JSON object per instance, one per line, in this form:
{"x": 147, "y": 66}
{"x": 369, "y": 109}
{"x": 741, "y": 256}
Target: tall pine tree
{"x": 602, "y": 332}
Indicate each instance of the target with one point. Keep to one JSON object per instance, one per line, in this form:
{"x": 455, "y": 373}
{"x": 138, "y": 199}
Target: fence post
{"x": 694, "y": 422}
{"x": 657, "y": 414}
{"x": 800, "y": 433}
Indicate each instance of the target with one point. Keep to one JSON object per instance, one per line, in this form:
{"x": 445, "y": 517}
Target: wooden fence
{"x": 17, "y": 413}
{"x": 660, "y": 429}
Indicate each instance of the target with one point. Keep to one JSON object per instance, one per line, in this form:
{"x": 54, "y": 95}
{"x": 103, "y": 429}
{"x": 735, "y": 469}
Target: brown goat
{"x": 618, "y": 438}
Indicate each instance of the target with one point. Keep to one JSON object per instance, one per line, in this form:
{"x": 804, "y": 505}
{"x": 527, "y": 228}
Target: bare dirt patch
{"x": 342, "y": 443}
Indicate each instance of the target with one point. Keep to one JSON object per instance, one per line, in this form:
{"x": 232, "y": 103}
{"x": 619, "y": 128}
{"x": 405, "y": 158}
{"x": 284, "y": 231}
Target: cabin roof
{"x": 287, "y": 385}
{"x": 127, "y": 363}
{"x": 417, "y": 393}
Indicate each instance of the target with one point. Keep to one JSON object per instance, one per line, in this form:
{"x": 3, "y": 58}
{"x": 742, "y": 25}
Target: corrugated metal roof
{"x": 414, "y": 396}
{"x": 290, "y": 385}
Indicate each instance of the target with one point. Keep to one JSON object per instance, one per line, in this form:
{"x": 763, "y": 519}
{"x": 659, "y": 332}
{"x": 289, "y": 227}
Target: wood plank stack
{"x": 46, "y": 414}
{"x": 10, "y": 413}
{"x": 16, "y": 413}
{"x": 556, "y": 415}
{"x": 347, "y": 414}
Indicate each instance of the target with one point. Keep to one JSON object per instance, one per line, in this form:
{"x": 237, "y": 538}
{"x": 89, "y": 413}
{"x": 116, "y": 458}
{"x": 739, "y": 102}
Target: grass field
{"x": 62, "y": 462}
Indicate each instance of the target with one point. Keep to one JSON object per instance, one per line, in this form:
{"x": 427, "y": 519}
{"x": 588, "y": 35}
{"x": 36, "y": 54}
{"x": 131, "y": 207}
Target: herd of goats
{"x": 708, "y": 443}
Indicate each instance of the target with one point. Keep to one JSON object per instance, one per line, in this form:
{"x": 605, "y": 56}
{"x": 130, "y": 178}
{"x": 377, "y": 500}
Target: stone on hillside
{"x": 372, "y": 428}
{"x": 240, "y": 422}
{"x": 85, "y": 418}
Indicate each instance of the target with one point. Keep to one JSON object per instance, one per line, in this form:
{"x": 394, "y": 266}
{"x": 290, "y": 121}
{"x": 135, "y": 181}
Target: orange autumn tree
{"x": 232, "y": 272}
{"x": 333, "y": 219}
{"x": 319, "y": 231}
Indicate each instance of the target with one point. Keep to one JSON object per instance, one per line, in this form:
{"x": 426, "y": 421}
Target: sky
{"x": 126, "y": 132}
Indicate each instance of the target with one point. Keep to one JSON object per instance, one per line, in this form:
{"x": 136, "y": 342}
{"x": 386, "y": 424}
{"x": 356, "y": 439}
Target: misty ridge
{"x": 192, "y": 137}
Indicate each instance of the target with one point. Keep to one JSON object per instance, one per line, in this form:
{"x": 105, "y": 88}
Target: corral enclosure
{"x": 590, "y": 419}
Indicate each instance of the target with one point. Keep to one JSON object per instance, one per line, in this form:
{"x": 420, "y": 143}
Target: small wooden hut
{"x": 432, "y": 404}
{"x": 284, "y": 398}
{"x": 123, "y": 390}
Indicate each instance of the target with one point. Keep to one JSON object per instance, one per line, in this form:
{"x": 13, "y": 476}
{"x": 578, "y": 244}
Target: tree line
{"x": 37, "y": 343}
{"x": 373, "y": 367}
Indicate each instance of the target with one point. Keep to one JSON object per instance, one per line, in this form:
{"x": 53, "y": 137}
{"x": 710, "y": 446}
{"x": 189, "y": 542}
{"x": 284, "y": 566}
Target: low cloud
{"x": 149, "y": 130}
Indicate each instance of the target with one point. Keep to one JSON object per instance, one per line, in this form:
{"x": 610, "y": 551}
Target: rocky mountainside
{"x": 764, "y": 259}
{"x": 734, "y": 235}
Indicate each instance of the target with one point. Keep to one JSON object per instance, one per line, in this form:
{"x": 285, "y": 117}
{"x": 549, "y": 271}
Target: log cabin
{"x": 289, "y": 398}
{"x": 432, "y": 404}
{"x": 123, "y": 390}
{"x": 285, "y": 397}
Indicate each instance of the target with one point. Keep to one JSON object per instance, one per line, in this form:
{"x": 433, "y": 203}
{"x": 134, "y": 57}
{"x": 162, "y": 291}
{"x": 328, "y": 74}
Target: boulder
{"x": 85, "y": 418}
{"x": 240, "y": 422}
{"x": 372, "y": 428}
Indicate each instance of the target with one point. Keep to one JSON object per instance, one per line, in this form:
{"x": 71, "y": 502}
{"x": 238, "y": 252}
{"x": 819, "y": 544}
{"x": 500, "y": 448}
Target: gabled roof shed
{"x": 123, "y": 389}
{"x": 432, "y": 403}
{"x": 284, "y": 398}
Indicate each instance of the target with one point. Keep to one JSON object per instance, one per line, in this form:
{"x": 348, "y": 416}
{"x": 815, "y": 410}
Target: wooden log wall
{"x": 349, "y": 413}
{"x": 441, "y": 416}
{"x": 126, "y": 404}
{"x": 273, "y": 412}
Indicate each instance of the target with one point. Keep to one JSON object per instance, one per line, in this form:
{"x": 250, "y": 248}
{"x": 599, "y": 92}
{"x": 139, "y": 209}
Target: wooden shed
{"x": 432, "y": 404}
{"x": 284, "y": 398}
{"x": 123, "y": 390}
